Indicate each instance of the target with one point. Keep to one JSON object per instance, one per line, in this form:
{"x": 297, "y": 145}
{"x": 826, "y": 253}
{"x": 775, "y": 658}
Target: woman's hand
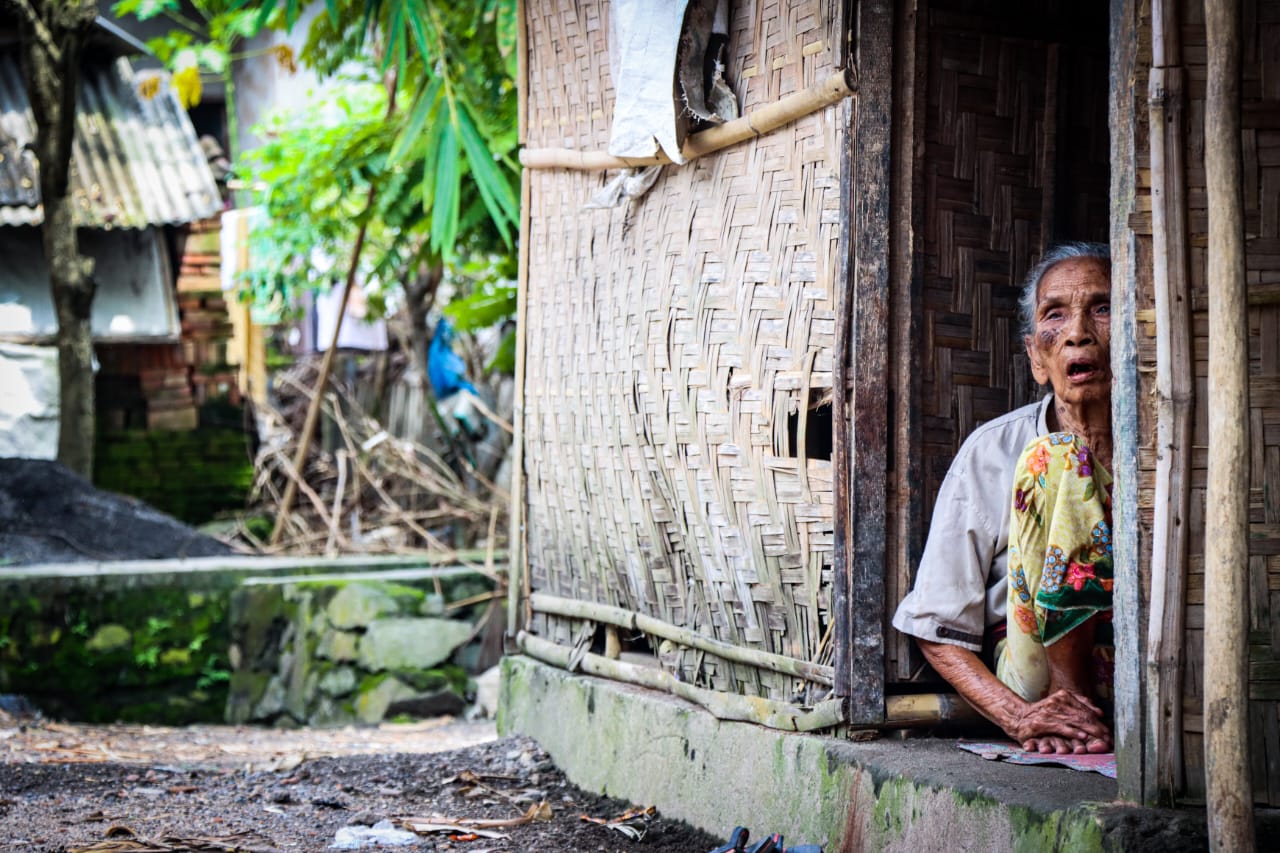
{"x": 1063, "y": 722}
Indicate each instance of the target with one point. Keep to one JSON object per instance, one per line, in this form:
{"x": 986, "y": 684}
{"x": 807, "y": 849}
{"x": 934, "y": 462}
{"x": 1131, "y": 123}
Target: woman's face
{"x": 1070, "y": 348}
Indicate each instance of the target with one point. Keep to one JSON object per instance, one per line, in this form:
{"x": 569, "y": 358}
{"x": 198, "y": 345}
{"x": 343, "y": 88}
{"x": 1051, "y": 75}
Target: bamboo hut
{"x": 738, "y": 394}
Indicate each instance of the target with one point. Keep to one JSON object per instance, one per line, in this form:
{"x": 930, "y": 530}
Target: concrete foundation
{"x": 910, "y": 795}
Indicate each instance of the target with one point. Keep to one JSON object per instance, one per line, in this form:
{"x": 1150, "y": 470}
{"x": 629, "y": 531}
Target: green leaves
{"x": 144, "y": 9}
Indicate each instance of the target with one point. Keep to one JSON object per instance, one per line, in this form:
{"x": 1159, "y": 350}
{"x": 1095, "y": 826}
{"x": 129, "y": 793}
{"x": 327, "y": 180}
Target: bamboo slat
{"x": 670, "y": 348}
{"x": 543, "y": 603}
{"x": 725, "y": 706}
{"x": 1175, "y": 389}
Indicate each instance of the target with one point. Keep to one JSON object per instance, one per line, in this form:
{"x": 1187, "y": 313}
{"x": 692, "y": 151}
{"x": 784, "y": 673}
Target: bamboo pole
{"x": 517, "y": 566}
{"x": 632, "y": 621}
{"x": 1175, "y": 399}
{"x": 724, "y": 706}
{"x": 909, "y": 711}
{"x": 758, "y": 122}
{"x": 1226, "y": 723}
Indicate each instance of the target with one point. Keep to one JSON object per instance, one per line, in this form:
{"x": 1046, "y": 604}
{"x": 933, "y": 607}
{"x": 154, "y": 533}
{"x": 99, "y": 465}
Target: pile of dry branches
{"x": 364, "y": 490}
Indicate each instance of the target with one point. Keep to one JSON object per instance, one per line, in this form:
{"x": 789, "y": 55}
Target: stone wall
{"x": 335, "y": 651}
{"x": 321, "y": 641}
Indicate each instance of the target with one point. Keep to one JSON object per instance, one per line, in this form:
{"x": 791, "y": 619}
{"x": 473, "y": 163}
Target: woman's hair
{"x": 1056, "y": 255}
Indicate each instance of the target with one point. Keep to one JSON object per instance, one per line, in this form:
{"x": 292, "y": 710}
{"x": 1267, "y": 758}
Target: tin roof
{"x": 136, "y": 161}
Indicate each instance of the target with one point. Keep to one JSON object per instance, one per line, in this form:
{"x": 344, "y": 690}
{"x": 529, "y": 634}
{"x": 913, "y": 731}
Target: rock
{"x": 439, "y": 704}
{"x": 372, "y": 703}
{"x": 331, "y": 714}
{"x": 109, "y": 638}
{"x": 244, "y": 692}
{"x": 356, "y": 605}
{"x": 272, "y": 701}
{"x": 338, "y": 681}
{"x": 338, "y": 645}
{"x": 410, "y": 643}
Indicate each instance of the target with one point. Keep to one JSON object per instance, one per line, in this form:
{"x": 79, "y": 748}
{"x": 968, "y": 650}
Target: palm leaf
{"x": 419, "y": 17}
{"x": 424, "y": 105}
{"x": 444, "y": 206}
{"x": 494, "y": 188}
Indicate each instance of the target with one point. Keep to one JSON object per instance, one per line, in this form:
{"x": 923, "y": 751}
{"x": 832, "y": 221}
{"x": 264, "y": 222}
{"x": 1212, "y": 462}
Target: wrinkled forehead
{"x": 1075, "y": 277}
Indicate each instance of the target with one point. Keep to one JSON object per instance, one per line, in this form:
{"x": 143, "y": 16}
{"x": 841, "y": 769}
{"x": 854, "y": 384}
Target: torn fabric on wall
{"x": 667, "y": 63}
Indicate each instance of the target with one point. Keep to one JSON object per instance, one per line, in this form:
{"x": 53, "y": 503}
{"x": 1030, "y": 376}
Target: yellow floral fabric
{"x": 1060, "y": 558}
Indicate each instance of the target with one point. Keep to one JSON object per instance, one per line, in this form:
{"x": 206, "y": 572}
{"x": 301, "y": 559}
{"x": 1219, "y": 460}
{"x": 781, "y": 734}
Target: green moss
{"x": 191, "y": 475}
{"x": 96, "y": 658}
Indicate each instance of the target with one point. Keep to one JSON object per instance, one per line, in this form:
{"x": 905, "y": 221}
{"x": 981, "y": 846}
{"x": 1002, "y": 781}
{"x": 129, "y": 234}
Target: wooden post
{"x": 1129, "y": 616}
{"x": 1175, "y": 398}
{"x": 1226, "y": 617}
{"x": 869, "y": 473}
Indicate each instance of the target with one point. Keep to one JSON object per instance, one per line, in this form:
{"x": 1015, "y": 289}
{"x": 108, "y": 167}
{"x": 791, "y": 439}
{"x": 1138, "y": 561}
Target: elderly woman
{"x": 1018, "y": 559}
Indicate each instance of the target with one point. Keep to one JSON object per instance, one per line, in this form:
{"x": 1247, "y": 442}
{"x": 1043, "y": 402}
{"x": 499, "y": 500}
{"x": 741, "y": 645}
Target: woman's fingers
{"x": 1063, "y": 715}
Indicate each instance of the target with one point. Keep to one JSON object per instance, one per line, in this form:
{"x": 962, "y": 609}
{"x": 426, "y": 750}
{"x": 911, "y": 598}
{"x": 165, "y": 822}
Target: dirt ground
{"x": 145, "y": 789}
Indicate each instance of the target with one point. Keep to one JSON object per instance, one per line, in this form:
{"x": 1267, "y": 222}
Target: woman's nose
{"x": 1080, "y": 330}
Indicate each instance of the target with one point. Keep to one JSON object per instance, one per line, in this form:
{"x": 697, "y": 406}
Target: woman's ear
{"x": 1038, "y": 367}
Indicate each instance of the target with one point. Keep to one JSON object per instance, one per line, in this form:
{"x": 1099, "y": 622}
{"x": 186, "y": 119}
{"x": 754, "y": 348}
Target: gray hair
{"x": 1050, "y": 259}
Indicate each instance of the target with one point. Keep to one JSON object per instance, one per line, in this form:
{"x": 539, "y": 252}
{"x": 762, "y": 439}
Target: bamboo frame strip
{"x": 1174, "y": 410}
{"x": 724, "y": 706}
{"x": 758, "y": 122}
{"x": 517, "y": 578}
{"x": 905, "y": 711}
{"x": 573, "y": 609}
{"x": 1229, "y": 787}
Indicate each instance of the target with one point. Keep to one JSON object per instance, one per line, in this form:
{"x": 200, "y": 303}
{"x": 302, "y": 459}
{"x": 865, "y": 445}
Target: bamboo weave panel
{"x": 1014, "y": 156}
{"x": 1260, "y": 140}
{"x": 983, "y": 185}
{"x": 668, "y": 347}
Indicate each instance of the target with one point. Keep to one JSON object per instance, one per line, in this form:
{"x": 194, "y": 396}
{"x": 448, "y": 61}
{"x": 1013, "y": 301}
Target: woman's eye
{"x": 1104, "y": 309}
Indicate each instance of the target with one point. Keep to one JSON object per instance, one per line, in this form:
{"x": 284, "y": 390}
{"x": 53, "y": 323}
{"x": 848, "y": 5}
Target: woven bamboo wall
{"x": 1014, "y": 156}
{"x": 671, "y": 347}
{"x": 1261, "y": 149}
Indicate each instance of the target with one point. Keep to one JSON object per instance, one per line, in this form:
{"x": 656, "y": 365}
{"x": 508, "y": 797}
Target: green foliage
{"x": 441, "y": 173}
{"x": 206, "y": 41}
{"x": 452, "y": 63}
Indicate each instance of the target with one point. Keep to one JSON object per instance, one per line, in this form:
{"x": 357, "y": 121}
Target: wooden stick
{"x": 1175, "y": 396}
{"x": 1226, "y": 561}
{"x": 724, "y": 706}
{"x": 326, "y": 367}
{"x": 517, "y": 571}
{"x": 758, "y": 122}
{"x": 543, "y": 603}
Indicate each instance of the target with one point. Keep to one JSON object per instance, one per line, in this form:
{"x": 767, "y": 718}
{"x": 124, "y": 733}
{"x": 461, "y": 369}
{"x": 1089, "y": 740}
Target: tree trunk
{"x": 54, "y": 34}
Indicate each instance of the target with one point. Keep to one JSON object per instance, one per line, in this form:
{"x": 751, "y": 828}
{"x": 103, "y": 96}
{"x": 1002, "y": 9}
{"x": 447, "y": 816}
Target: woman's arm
{"x": 1064, "y": 721}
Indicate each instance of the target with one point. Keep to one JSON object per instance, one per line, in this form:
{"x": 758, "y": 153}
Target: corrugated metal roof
{"x": 136, "y": 161}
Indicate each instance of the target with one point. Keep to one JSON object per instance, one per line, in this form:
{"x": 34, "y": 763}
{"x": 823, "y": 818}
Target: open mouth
{"x": 1083, "y": 371}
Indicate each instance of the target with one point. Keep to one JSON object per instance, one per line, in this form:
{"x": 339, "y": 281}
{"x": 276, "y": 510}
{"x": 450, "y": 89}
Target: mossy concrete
{"x": 913, "y": 795}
